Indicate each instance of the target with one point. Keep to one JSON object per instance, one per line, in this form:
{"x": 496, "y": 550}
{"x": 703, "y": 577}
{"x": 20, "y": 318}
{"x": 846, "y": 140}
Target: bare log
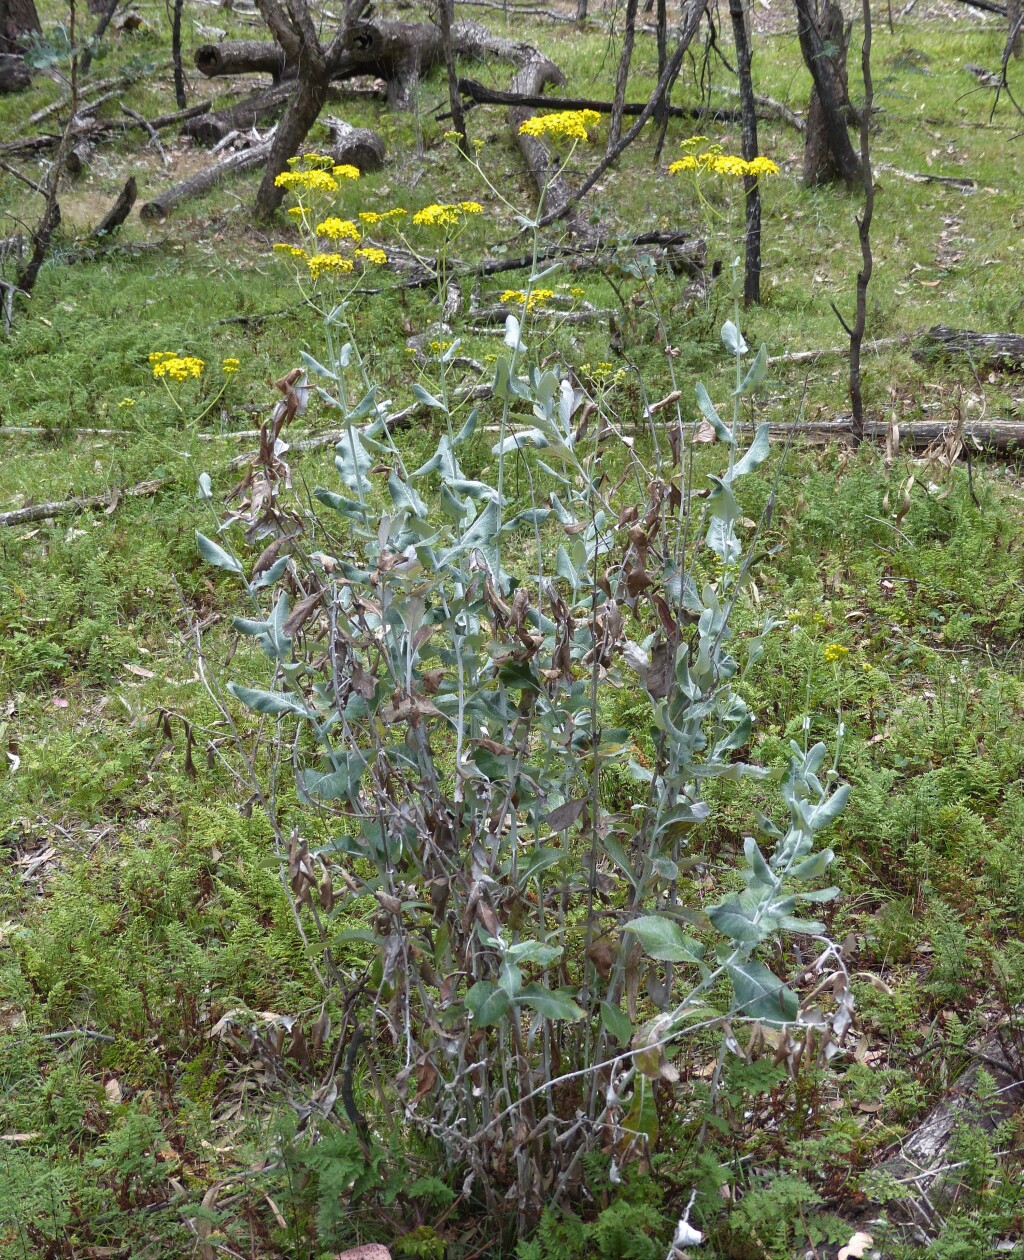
{"x": 120, "y": 210}
{"x": 1004, "y": 350}
{"x": 242, "y": 56}
{"x": 398, "y": 52}
{"x": 262, "y": 106}
{"x": 356, "y": 146}
{"x": 84, "y": 503}
{"x": 160, "y": 207}
{"x": 536, "y": 73}
{"x": 15, "y": 75}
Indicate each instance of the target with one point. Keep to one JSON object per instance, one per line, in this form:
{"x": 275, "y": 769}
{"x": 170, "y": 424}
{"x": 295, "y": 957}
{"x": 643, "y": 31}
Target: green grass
{"x": 155, "y": 907}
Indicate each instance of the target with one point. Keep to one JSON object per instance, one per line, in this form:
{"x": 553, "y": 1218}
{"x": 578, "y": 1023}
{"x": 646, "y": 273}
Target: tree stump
{"x": 242, "y": 56}
{"x": 828, "y": 153}
{"x": 355, "y": 146}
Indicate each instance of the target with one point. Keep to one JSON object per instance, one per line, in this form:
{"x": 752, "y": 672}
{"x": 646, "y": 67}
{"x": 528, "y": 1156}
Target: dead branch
{"x": 480, "y": 94}
{"x": 150, "y": 130}
{"x": 161, "y": 206}
{"x": 84, "y": 503}
{"x": 120, "y": 210}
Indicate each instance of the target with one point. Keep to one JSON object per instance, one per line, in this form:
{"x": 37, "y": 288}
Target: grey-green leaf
{"x": 214, "y": 554}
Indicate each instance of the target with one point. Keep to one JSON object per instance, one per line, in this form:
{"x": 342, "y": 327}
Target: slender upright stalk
{"x": 619, "y": 100}
{"x": 863, "y": 230}
{"x": 751, "y": 186}
{"x": 445, "y": 12}
{"x": 179, "y": 71}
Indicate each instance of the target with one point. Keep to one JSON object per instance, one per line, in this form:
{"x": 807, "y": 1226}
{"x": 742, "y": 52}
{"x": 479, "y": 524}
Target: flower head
{"x": 345, "y": 171}
{"x": 567, "y": 124}
{"x": 230, "y": 366}
{"x": 178, "y": 368}
{"x": 319, "y": 264}
{"x": 371, "y": 254}
{"x": 835, "y": 652}
{"x": 336, "y": 229}
{"x": 438, "y": 214}
{"x": 310, "y": 181}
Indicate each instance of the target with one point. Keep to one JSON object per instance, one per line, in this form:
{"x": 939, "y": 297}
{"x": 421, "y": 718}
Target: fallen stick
{"x": 149, "y": 129}
{"x": 480, "y": 94}
{"x": 811, "y": 356}
{"x": 160, "y": 207}
{"x": 84, "y": 503}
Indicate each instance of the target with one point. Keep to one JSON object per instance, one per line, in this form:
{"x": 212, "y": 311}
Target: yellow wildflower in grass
{"x": 717, "y": 162}
{"x": 297, "y": 211}
{"x": 471, "y": 207}
{"x": 835, "y": 652}
{"x": 345, "y": 171}
{"x": 336, "y": 229}
{"x": 452, "y": 137}
{"x": 310, "y": 181}
{"x": 230, "y": 366}
{"x": 319, "y": 264}
{"x": 539, "y": 297}
{"x": 577, "y": 294}
{"x": 568, "y": 124}
{"x": 439, "y": 347}
{"x": 371, "y": 254}
{"x": 370, "y": 217}
{"x": 127, "y": 402}
{"x": 176, "y": 367}
{"x": 158, "y": 356}
{"x": 437, "y": 215}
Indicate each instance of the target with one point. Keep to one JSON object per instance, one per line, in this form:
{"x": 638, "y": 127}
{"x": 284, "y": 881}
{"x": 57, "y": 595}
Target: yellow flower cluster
{"x": 835, "y": 652}
{"x": 370, "y": 254}
{"x": 445, "y": 214}
{"x": 230, "y": 366}
{"x": 336, "y": 229}
{"x": 371, "y": 217}
{"x": 603, "y": 373}
{"x": 293, "y": 250}
{"x": 569, "y": 124}
{"x": 177, "y": 367}
{"x": 308, "y": 181}
{"x": 321, "y": 263}
{"x": 715, "y": 162}
{"x": 539, "y": 297}
{"x": 439, "y": 347}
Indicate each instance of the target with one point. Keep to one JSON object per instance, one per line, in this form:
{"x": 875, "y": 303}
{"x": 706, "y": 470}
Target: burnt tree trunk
{"x": 751, "y": 185}
{"x": 179, "y": 70}
{"x": 619, "y": 99}
{"x": 17, "y": 18}
{"x": 15, "y": 75}
{"x": 303, "y": 110}
{"x": 445, "y": 17}
{"x": 828, "y": 151}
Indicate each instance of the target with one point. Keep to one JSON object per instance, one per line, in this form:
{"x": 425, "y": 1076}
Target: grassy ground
{"x": 140, "y": 902}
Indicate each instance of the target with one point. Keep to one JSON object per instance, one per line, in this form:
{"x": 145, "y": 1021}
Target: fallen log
{"x": 1003, "y": 350}
{"x": 480, "y": 94}
{"x": 120, "y": 210}
{"x": 83, "y": 503}
{"x": 242, "y": 56}
{"x": 159, "y": 208}
{"x": 211, "y": 128}
{"x": 536, "y": 73}
{"x": 355, "y": 146}
{"x": 923, "y": 1180}
{"x": 15, "y": 75}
